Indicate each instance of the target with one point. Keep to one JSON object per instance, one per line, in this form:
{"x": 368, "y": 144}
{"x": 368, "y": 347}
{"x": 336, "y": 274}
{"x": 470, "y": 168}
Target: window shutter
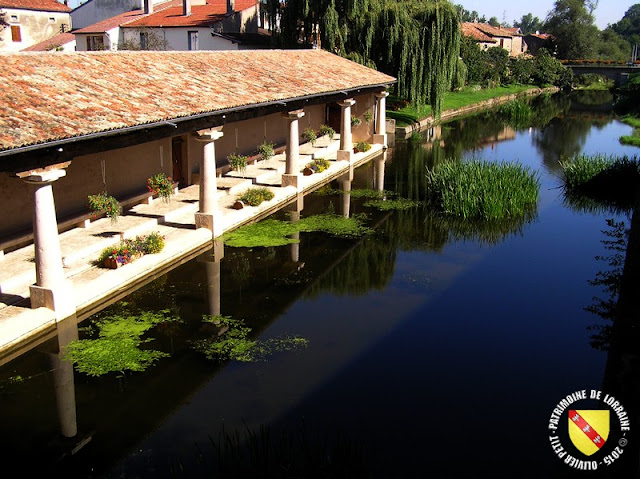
{"x": 15, "y": 33}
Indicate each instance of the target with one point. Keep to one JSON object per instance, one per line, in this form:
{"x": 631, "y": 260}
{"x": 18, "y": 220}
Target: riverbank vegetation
{"x": 483, "y": 190}
{"x": 597, "y": 181}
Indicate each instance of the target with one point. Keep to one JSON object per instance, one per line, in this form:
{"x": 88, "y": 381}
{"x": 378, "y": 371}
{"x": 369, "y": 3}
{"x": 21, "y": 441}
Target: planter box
{"x": 111, "y": 263}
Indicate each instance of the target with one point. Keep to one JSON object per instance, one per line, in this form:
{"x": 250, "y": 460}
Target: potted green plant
{"x": 328, "y": 131}
{"x": 238, "y": 163}
{"x": 105, "y": 203}
{"x": 361, "y": 146}
{"x": 255, "y": 196}
{"x": 266, "y": 150}
{"x": 161, "y": 185}
{"x": 355, "y": 121}
{"x": 310, "y": 136}
{"x": 368, "y": 116}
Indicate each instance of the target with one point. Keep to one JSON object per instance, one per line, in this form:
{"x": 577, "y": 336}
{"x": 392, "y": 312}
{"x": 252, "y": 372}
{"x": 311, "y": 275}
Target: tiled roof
{"x": 45, "y": 5}
{"x": 493, "y": 31}
{"x": 47, "y": 97}
{"x": 58, "y": 40}
{"x": 469, "y": 30}
{"x": 201, "y": 15}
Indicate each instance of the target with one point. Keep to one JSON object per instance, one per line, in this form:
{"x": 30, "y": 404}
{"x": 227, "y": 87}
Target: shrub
{"x": 153, "y": 243}
{"x": 327, "y": 130}
{"x": 362, "y": 146}
{"x": 310, "y": 136}
{"x": 104, "y": 203}
{"x": 255, "y": 196}
{"x": 238, "y": 163}
{"x": 161, "y": 185}
{"x": 488, "y": 191}
{"x": 266, "y": 150}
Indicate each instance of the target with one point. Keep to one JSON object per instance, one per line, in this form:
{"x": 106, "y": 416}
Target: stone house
{"x": 487, "y": 36}
{"x": 31, "y": 22}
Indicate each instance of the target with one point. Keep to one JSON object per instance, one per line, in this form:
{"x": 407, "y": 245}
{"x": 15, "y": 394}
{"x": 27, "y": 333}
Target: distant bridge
{"x": 618, "y": 73}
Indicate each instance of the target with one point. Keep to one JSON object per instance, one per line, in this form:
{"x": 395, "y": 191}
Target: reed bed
{"x": 483, "y": 190}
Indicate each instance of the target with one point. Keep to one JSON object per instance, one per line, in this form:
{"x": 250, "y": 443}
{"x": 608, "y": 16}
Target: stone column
{"x": 346, "y": 141}
{"x": 380, "y": 135}
{"x": 291, "y": 175}
{"x": 208, "y": 215}
{"x": 294, "y": 210}
{"x": 212, "y": 265}
{"x": 51, "y": 290}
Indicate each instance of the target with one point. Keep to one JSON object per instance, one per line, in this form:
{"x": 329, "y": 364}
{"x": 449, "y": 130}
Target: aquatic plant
{"x": 478, "y": 189}
{"x": 327, "y": 130}
{"x": 517, "y": 112}
{"x": 255, "y": 196}
{"x": 105, "y": 203}
{"x": 600, "y": 181}
{"x": 392, "y": 204}
{"x": 161, "y": 185}
{"x": 272, "y": 232}
{"x": 357, "y": 193}
{"x": 117, "y": 347}
{"x": 232, "y": 342}
{"x": 266, "y": 150}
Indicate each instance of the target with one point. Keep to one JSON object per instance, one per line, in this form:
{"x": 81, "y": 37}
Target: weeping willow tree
{"x": 415, "y": 41}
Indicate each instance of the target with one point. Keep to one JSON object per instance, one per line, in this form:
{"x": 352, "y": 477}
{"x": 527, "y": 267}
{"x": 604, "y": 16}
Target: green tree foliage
{"x": 548, "y": 70}
{"x": 613, "y": 46}
{"x": 629, "y": 26}
{"x": 416, "y": 41}
{"x": 467, "y": 16}
{"x": 473, "y": 58}
{"x": 571, "y": 22}
{"x": 528, "y": 24}
{"x": 494, "y": 22}
{"x": 498, "y": 61}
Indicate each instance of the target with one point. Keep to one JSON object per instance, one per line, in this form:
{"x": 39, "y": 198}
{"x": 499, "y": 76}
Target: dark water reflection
{"x": 436, "y": 349}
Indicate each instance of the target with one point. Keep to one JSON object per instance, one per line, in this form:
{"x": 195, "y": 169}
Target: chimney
{"x": 147, "y": 6}
{"x": 186, "y": 7}
{"x": 231, "y": 6}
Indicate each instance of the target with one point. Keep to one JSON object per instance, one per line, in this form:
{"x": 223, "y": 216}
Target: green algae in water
{"x": 233, "y": 343}
{"x": 117, "y": 347}
{"x": 272, "y": 232}
{"x": 393, "y": 204}
{"x": 358, "y": 193}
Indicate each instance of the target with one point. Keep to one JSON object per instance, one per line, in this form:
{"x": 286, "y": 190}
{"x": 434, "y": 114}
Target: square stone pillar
{"x": 208, "y": 214}
{"x": 51, "y": 289}
{"x": 380, "y": 135}
{"x": 291, "y": 175}
{"x": 346, "y": 140}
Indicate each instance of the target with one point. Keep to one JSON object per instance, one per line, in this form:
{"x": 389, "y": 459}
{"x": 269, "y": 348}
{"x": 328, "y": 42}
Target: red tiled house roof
{"x": 122, "y": 19}
{"x": 201, "y": 15}
{"x": 469, "y": 29}
{"x": 50, "y": 97}
{"x": 55, "y": 41}
{"x": 493, "y": 31}
{"x": 43, "y": 5}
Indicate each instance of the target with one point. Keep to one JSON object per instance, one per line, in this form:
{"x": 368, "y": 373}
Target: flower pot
{"x": 307, "y": 171}
{"x": 111, "y": 263}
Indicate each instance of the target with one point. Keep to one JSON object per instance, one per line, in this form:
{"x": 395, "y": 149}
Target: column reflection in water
{"x": 294, "y": 216}
{"x": 63, "y": 378}
{"x": 378, "y": 171}
{"x": 345, "y": 187}
{"x": 212, "y": 266}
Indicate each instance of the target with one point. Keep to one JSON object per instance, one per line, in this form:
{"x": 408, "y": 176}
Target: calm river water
{"x": 434, "y": 349}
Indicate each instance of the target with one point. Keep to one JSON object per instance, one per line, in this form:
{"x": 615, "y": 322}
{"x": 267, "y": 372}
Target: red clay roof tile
{"x": 201, "y": 15}
{"x": 51, "y": 43}
{"x": 47, "y": 97}
{"x": 45, "y": 5}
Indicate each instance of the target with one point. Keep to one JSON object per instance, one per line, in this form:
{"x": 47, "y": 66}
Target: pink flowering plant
{"x": 129, "y": 250}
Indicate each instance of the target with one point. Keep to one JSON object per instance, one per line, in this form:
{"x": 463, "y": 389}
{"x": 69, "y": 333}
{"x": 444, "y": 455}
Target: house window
{"x": 14, "y": 18}
{"x": 15, "y": 33}
{"x": 95, "y": 43}
{"x": 63, "y": 27}
{"x": 193, "y": 40}
{"x": 502, "y": 42}
{"x": 52, "y": 20}
{"x": 144, "y": 40}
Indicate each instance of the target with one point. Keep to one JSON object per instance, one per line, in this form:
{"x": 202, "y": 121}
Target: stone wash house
{"x": 31, "y": 22}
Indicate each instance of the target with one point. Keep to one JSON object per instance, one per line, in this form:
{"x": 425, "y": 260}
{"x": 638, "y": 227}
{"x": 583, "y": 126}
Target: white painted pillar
{"x": 291, "y": 175}
{"x": 208, "y": 215}
{"x": 380, "y": 135}
{"x": 346, "y": 140}
{"x": 50, "y": 290}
